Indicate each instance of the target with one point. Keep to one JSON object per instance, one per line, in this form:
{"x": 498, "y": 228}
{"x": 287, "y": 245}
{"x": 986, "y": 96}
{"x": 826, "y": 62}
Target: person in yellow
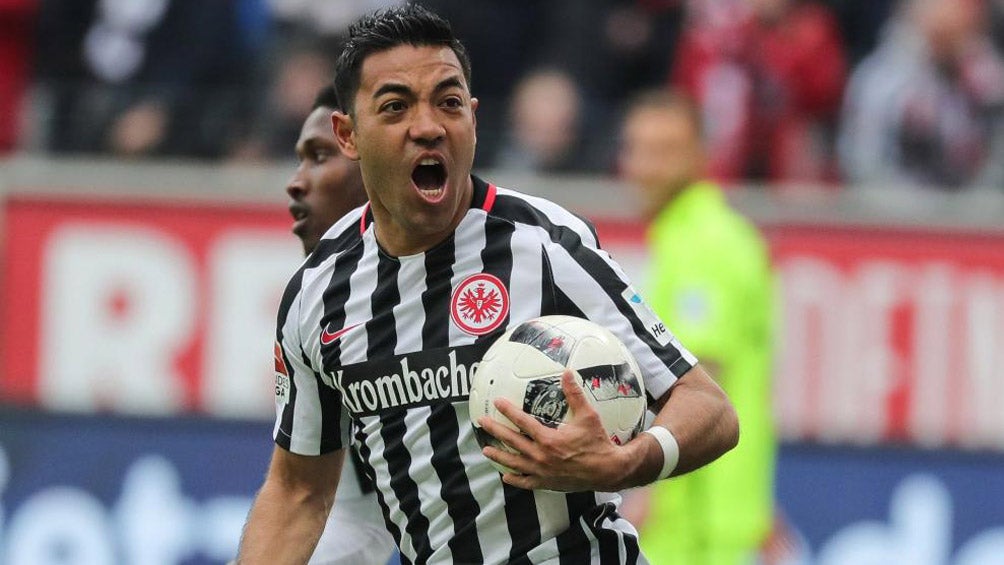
{"x": 710, "y": 280}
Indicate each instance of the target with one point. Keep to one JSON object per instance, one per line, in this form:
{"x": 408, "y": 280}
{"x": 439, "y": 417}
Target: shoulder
{"x": 343, "y": 236}
{"x": 534, "y": 212}
{"x": 711, "y": 231}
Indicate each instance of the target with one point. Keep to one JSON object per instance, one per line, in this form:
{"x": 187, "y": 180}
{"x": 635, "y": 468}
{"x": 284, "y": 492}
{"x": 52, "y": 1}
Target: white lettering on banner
{"x": 65, "y": 518}
{"x": 891, "y": 350}
{"x": 984, "y": 322}
{"x": 248, "y": 271}
{"x": 117, "y": 305}
{"x": 918, "y": 532}
{"x": 936, "y": 337}
{"x": 820, "y": 384}
{"x": 152, "y": 522}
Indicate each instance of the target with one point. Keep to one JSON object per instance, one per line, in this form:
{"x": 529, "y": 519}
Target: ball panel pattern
{"x": 525, "y": 364}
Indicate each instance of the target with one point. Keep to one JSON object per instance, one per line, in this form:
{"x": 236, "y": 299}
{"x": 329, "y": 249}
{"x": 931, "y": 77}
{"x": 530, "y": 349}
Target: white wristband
{"x": 670, "y": 449}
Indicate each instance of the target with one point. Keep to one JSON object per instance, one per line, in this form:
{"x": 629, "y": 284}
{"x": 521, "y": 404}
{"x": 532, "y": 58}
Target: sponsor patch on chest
{"x": 421, "y": 378}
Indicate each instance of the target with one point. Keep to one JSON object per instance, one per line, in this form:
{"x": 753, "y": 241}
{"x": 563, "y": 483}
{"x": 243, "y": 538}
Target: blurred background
{"x": 144, "y": 150}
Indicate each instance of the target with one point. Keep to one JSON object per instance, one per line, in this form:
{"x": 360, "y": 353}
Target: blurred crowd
{"x": 804, "y": 92}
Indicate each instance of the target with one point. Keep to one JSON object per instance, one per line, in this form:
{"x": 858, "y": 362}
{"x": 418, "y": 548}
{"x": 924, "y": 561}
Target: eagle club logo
{"x": 480, "y": 303}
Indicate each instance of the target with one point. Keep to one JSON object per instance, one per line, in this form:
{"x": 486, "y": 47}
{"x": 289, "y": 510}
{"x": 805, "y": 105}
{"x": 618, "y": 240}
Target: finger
{"x": 523, "y": 481}
{"x": 514, "y": 461}
{"x": 512, "y": 438}
{"x": 574, "y": 392}
{"x": 525, "y": 422}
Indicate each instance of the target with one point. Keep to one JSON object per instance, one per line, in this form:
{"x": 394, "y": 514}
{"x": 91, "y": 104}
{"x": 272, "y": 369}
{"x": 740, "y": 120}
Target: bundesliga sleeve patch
{"x": 281, "y": 377}
{"x": 656, "y": 328}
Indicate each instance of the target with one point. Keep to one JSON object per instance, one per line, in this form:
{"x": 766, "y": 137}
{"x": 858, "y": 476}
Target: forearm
{"x": 700, "y": 417}
{"x": 291, "y": 508}
{"x": 282, "y": 527}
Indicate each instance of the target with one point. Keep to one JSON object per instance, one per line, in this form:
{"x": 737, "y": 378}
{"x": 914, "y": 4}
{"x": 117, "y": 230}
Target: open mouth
{"x": 299, "y": 212}
{"x": 430, "y": 178}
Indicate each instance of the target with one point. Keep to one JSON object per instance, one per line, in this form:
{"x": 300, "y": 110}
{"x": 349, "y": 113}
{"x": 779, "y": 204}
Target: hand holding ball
{"x": 525, "y": 365}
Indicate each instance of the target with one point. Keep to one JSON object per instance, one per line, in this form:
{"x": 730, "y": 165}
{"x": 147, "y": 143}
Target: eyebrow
{"x": 311, "y": 144}
{"x": 397, "y": 88}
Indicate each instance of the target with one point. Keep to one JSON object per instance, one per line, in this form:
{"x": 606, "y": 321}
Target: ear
{"x": 474, "y": 118}
{"x": 345, "y": 134}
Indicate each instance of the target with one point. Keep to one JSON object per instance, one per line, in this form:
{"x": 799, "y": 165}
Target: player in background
{"x": 711, "y": 282}
{"x": 325, "y": 187}
{"x": 387, "y": 318}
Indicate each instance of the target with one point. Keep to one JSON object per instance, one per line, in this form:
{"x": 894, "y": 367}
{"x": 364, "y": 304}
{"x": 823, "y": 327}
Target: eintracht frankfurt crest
{"x": 480, "y": 303}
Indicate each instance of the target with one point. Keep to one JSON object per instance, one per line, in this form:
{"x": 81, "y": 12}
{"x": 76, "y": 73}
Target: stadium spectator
{"x": 925, "y": 108}
{"x": 612, "y": 48}
{"x": 16, "y": 22}
{"x": 711, "y": 281}
{"x": 545, "y": 121}
{"x": 157, "y": 77}
{"x": 768, "y": 76}
{"x": 860, "y": 25}
{"x": 300, "y": 69}
{"x": 607, "y": 47}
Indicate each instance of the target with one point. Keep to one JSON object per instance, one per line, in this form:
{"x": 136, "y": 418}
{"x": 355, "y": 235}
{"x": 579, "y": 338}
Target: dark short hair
{"x": 408, "y": 24}
{"x": 326, "y": 98}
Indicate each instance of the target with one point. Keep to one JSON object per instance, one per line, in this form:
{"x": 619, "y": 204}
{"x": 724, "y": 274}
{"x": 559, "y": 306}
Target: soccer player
{"x": 382, "y": 326}
{"x": 325, "y": 187}
{"x": 711, "y": 280}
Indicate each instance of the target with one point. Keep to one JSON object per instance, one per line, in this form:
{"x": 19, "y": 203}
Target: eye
{"x": 394, "y": 107}
{"x": 453, "y": 102}
{"x": 321, "y": 156}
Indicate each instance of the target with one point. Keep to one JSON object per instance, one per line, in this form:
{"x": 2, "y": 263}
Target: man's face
{"x": 660, "y": 155}
{"x": 413, "y": 133}
{"x": 326, "y": 185}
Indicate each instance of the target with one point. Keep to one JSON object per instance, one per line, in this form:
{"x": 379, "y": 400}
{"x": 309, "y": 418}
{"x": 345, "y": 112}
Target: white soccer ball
{"x": 525, "y": 364}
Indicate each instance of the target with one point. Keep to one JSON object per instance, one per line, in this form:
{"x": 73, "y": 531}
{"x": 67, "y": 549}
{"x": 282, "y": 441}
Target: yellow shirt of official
{"x": 711, "y": 283}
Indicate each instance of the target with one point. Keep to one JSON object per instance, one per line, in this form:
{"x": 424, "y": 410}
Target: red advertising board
{"x": 884, "y": 334}
{"x": 891, "y": 335}
{"x": 159, "y": 308}
{"x": 142, "y": 307}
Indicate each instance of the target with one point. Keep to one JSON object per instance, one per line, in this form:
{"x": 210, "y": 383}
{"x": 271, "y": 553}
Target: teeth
{"x": 428, "y": 161}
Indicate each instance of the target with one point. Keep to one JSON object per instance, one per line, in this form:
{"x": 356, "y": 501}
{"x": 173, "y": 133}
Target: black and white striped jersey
{"x": 391, "y": 342}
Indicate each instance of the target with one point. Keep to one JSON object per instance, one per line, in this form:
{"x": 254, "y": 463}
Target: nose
{"x": 426, "y": 129}
{"x": 297, "y": 185}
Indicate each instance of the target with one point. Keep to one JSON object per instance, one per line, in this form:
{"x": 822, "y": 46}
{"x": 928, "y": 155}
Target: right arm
{"x": 290, "y": 510}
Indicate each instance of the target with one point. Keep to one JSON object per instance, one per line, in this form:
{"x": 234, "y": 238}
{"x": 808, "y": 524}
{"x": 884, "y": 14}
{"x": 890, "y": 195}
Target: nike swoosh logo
{"x": 329, "y": 337}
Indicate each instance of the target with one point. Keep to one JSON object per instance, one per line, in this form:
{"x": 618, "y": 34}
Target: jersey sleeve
{"x": 592, "y": 283}
{"x": 308, "y": 412}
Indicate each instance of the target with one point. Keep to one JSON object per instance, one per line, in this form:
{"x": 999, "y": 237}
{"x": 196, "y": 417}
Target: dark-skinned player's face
{"x": 326, "y": 185}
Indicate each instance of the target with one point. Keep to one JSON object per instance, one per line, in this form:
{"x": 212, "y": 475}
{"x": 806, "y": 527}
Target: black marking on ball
{"x": 609, "y": 382}
{"x": 545, "y": 401}
{"x": 545, "y": 338}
